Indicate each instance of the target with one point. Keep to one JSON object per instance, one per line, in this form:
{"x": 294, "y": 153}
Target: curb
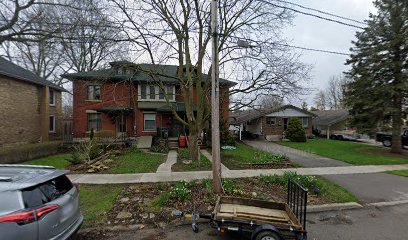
{"x": 333, "y": 207}
{"x": 387, "y": 204}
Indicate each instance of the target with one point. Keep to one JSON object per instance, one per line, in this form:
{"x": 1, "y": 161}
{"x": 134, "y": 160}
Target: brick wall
{"x": 21, "y": 111}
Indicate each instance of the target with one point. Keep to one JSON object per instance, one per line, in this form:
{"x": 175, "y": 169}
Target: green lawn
{"x": 403, "y": 173}
{"x": 137, "y": 162}
{"x": 350, "y": 152}
{"x": 244, "y": 154}
{"x": 58, "y": 161}
{"x": 203, "y": 165}
{"x": 96, "y": 201}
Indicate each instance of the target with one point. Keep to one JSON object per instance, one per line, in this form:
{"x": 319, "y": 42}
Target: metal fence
{"x": 297, "y": 200}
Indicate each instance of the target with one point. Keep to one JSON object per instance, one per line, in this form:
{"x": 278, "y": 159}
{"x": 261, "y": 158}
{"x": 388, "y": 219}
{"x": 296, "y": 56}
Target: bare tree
{"x": 320, "y": 100}
{"x": 269, "y": 101}
{"x": 335, "y": 92}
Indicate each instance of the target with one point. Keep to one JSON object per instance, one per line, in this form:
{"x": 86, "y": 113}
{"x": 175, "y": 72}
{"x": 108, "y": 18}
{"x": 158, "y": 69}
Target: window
{"x": 51, "y": 127}
{"x": 52, "y": 98}
{"x": 46, "y": 192}
{"x": 94, "y": 121}
{"x": 271, "y": 120}
{"x": 120, "y": 70}
{"x": 161, "y": 93}
{"x": 150, "y": 122}
{"x": 170, "y": 92}
{"x": 143, "y": 92}
{"x": 305, "y": 122}
{"x": 94, "y": 92}
{"x": 152, "y": 90}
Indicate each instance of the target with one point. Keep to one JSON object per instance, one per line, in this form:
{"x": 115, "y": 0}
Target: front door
{"x": 121, "y": 126}
{"x": 285, "y": 123}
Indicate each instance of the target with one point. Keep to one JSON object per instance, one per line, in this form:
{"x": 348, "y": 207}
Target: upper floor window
{"x": 94, "y": 92}
{"x": 52, "y": 97}
{"x": 143, "y": 92}
{"x": 152, "y": 92}
{"x": 155, "y": 93}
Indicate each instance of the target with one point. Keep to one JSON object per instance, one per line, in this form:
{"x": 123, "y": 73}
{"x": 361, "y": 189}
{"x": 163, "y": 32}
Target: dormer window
{"x": 120, "y": 70}
{"x": 129, "y": 71}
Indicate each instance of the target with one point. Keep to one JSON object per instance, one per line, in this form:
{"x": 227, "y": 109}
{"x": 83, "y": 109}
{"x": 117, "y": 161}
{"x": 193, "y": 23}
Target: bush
{"x": 76, "y": 158}
{"x": 229, "y": 140}
{"x": 183, "y": 154}
{"x": 295, "y": 131}
{"x": 25, "y": 152}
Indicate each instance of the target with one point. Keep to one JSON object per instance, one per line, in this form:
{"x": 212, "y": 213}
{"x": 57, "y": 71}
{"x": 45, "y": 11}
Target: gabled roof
{"x": 330, "y": 117}
{"x": 165, "y": 73}
{"x": 248, "y": 115}
{"x": 12, "y": 70}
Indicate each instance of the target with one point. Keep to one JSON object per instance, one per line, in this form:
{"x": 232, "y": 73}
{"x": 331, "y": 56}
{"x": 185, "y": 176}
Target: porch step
{"x": 173, "y": 144}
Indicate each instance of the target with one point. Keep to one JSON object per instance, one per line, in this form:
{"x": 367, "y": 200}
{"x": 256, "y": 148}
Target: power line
{"x": 313, "y": 15}
{"x": 323, "y": 12}
{"x": 313, "y": 49}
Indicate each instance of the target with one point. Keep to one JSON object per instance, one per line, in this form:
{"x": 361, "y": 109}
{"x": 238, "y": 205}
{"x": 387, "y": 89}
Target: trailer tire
{"x": 267, "y": 235}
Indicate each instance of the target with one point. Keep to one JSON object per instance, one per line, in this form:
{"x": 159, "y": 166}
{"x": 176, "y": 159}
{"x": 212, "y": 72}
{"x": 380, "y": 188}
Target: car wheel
{"x": 387, "y": 143}
{"x": 267, "y": 235}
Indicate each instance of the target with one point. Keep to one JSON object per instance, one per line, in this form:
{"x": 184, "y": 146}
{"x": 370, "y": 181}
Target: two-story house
{"x": 123, "y": 100}
{"x": 30, "y": 106}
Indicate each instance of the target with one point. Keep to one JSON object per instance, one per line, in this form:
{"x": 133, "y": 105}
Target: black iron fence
{"x": 297, "y": 201}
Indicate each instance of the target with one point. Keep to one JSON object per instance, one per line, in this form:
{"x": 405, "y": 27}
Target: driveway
{"x": 369, "y": 188}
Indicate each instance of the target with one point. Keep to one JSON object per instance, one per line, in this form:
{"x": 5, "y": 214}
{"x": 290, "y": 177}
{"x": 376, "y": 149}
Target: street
{"x": 385, "y": 223}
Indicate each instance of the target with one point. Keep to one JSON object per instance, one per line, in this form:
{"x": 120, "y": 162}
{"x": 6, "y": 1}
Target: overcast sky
{"x": 312, "y": 32}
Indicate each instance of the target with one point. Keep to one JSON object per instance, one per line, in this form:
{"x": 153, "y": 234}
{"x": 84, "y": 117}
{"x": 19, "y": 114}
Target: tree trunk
{"x": 193, "y": 147}
{"x": 396, "y": 132}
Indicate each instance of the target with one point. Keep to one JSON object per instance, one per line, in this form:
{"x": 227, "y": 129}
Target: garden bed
{"x": 155, "y": 205}
{"x": 247, "y": 157}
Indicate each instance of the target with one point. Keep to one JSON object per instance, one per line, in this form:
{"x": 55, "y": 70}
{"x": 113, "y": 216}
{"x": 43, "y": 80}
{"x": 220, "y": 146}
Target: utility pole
{"x": 215, "y": 102}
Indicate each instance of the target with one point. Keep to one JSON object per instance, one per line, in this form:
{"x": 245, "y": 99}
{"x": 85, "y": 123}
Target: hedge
{"x": 21, "y": 153}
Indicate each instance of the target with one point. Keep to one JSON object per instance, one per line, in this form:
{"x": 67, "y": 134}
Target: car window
{"x": 10, "y": 202}
{"x": 46, "y": 192}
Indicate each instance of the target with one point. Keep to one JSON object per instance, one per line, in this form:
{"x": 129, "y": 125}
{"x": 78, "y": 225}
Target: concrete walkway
{"x": 367, "y": 187}
{"x": 209, "y": 157}
{"x": 188, "y": 176}
{"x": 166, "y": 166}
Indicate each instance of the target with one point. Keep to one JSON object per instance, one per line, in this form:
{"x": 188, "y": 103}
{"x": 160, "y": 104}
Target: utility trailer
{"x": 263, "y": 220}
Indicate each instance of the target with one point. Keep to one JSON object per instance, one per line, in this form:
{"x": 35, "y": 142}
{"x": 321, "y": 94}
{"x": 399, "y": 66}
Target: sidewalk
{"x": 188, "y": 176}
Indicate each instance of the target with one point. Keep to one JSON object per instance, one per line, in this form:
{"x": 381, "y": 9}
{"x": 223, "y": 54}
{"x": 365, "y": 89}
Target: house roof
{"x": 166, "y": 73}
{"x": 239, "y": 117}
{"x": 330, "y": 117}
{"x": 12, "y": 70}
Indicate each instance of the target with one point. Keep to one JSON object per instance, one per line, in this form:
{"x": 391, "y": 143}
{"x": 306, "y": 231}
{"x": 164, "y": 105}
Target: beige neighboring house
{"x": 269, "y": 123}
{"x": 330, "y": 122}
{"x": 30, "y": 106}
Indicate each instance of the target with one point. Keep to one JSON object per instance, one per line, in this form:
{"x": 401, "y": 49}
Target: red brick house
{"x": 123, "y": 100}
{"x": 30, "y": 106}
{"x": 270, "y": 123}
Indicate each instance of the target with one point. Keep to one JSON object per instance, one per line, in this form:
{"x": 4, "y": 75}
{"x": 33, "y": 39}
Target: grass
{"x": 203, "y": 165}
{"x": 96, "y": 201}
{"x": 349, "y": 152}
{"x": 315, "y": 185}
{"x": 137, "y": 161}
{"x": 403, "y": 173}
{"x": 58, "y": 161}
{"x": 244, "y": 154}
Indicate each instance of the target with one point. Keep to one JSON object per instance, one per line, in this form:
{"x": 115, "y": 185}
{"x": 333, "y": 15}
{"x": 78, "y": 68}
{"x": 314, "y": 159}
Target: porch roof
{"x": 164, "y": 106}
{"x": 114, "y": 109}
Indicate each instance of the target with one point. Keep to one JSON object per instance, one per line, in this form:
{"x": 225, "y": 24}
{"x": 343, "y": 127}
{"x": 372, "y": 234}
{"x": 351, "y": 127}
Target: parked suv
{"x": 37, "y": 202}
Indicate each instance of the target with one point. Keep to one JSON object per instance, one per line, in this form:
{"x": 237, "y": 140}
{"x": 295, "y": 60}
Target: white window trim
{"x": 144, "y": 121}
{"x": 53, "y": 124}
{"x": 53, "y": 93}
{"x": 157, "y": 95}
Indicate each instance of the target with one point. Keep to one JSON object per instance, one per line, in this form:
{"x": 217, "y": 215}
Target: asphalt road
{"x": 387, "y": 223}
